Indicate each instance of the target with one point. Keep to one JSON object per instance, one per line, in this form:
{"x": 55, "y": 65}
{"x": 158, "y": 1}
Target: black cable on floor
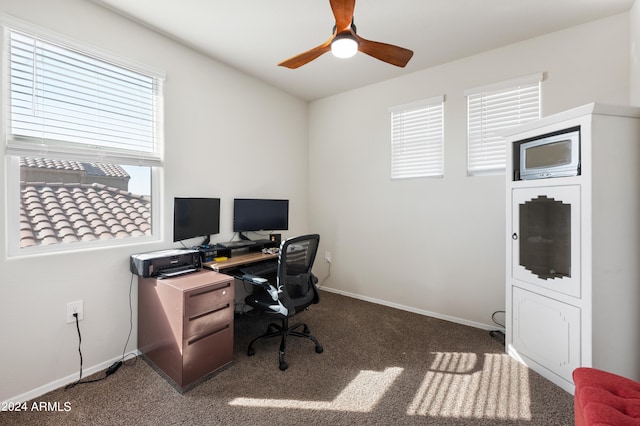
{"x": 497, "y": 334}
{"x": 69, "y": 386}
{"x": 112, "y": 369}
{"x": 135, "y": 357}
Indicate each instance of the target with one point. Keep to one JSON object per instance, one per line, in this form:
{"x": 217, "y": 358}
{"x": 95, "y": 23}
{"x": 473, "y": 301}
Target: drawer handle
{"x": 221, "y": 308}
{"x": 210, "y": 289}
{"x": 211, "y": 333}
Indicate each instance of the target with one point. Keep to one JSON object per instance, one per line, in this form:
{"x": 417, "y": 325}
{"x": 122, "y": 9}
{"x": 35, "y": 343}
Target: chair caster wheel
{"x": 251, "y": 352}
{"x": 319, "y": 349}
{"x": 283, "y": 365}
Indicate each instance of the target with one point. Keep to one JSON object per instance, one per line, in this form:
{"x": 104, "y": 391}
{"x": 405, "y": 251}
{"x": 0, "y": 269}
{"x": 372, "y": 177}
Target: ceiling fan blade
{"x": 343, "y": 12}
{"x": 389, "y": 53}
{"x": 308, "y": 56}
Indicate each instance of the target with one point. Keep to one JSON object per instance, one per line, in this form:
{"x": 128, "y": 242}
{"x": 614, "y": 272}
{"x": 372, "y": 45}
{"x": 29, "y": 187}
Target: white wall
{"x": 215, "y": 119}
{"x": 634, "y": 54}
{"x": 437, "y": 246}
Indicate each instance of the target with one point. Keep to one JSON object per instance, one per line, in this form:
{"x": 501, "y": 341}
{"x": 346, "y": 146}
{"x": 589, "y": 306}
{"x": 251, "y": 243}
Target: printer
{"x": 165, "y": 263}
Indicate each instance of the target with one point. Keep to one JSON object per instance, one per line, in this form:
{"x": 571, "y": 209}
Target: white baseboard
{"x": 56, "y": 384}
{"x": 411, "y": 309}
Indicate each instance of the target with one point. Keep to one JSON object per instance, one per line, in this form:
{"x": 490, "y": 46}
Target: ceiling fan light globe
{"x": 344, "y": 46}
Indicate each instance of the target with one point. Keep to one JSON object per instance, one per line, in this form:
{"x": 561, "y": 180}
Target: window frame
{"x": 476, "y": 165}
{"x": 12, "y": 158}
{"x": 399, "y": 168}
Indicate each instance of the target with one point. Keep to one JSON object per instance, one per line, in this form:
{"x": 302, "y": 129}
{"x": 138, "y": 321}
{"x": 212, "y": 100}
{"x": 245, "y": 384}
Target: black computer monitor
{"x": 195, "y": 217}
{"x": 254, "y": 214}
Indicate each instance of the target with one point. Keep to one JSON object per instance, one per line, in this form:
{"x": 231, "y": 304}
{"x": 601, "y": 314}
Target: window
{"x": 494, "y": 108}
{"x": 417, "y": 139}
{"x": 84, "y": 143}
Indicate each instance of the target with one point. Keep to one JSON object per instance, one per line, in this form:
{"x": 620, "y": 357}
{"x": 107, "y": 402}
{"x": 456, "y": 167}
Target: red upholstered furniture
{"x": 603, "y": 398}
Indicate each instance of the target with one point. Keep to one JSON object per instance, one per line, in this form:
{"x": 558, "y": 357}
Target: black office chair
{"x": 295, "y": 290}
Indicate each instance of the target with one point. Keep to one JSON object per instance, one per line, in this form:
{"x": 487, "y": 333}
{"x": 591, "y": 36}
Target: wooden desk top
{"x": 243, "y": 259}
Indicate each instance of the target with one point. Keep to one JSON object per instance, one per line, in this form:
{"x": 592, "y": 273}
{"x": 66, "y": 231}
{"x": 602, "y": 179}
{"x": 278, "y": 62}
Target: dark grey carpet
{"x": 380, "y": 366}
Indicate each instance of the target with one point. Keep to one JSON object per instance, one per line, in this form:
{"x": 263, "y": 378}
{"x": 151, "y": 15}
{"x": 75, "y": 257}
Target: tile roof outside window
{"x": 78, "y": 207}
{"x": 40, "y": 226}
{"x": 53, "y": 170}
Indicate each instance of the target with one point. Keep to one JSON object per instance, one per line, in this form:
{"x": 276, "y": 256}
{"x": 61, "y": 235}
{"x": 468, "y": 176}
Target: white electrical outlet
{"x": 327, "y": 256}
{"x": 74, "y": 308}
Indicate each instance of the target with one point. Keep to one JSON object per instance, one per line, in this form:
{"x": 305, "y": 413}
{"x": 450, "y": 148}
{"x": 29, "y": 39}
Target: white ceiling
{"x": 253, "y": 36}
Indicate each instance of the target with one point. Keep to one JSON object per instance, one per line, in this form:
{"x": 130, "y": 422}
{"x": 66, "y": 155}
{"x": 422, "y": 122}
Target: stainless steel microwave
{"x": 550, "y": 156}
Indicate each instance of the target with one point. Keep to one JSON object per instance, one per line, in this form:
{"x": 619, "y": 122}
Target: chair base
{"x": 283, "y": 331}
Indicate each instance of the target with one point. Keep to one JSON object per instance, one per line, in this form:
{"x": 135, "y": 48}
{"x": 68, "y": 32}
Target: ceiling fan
{"x": 345, "y": 42}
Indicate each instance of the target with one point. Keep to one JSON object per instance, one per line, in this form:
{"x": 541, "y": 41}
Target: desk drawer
{"x": 207, "y": 352}
{"x": 212, "y": 319}
{"x": 205, "y": 299}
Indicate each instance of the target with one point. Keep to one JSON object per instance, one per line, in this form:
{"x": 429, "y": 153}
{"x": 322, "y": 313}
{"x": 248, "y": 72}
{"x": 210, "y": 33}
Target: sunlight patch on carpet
{"x": 361, "y": 395}
{"x": 460, "y": 385}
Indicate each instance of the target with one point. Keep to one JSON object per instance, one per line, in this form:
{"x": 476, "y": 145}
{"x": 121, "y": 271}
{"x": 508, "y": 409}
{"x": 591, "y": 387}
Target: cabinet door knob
{"x": 514, "y": 236}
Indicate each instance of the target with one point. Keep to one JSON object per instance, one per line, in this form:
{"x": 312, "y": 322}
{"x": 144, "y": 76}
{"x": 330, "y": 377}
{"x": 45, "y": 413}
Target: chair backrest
{"x": 295, "y": 262}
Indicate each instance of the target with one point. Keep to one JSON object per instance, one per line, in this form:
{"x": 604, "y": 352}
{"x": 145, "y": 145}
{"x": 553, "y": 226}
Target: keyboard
{"x": 260, "y": 269}
{"x": 252, "y": 279}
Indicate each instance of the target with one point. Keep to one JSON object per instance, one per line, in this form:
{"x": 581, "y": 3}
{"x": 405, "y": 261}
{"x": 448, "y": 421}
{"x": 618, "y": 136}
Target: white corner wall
{"x": 216, "y": 119}
{"x": 634, "y": 54}
{"x": 437, "y": 246}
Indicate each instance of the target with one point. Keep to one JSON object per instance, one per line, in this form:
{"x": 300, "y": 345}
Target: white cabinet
{"x": 573, "y": 250}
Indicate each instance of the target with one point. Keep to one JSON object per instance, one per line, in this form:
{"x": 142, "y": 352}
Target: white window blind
{"x": 494, "y": 108}
{"x": 417, "y": 139}
{"x": 70, "y": 105}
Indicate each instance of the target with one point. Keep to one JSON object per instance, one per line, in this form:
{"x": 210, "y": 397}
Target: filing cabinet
{"x": 185, "y": 325}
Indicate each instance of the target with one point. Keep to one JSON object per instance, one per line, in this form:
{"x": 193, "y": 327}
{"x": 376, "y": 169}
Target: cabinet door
{"x": 546, "y": 237}
{"x": 547, "y": 331}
